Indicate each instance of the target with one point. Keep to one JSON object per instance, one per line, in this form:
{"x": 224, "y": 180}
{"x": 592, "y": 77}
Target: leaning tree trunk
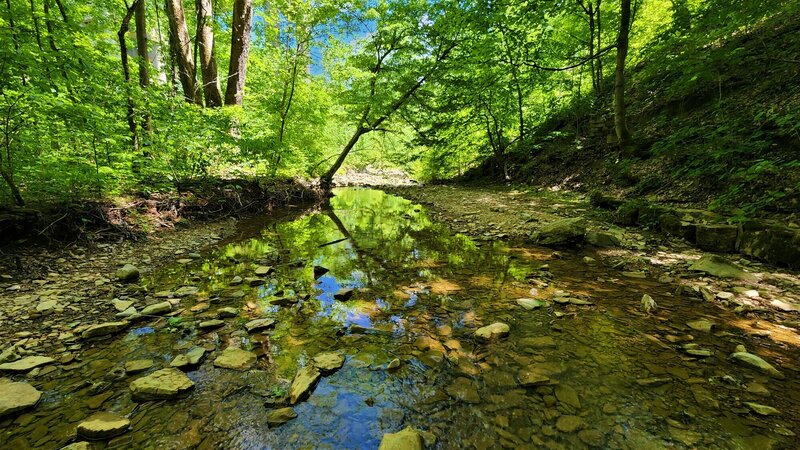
{"x": 620, "y": 121}
{"x": 240, "y": 50}
{"x": 208, "y": 64}
{"x": 183, "y": 47}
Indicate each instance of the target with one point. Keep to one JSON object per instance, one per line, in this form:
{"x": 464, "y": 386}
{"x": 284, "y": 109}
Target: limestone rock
{"x": 762, "y": 410}
{"x": 262, "y": 271}
{"x": 756, "y": 362}
{"x": 343, "y": 294}
{"x": 568, "y": 396}
{"x": 16, "y": 396}
{"x": 26, "y": 364}
{"x": 157, "y": 309}
{"x": 127, "y": 273}
{"x": 494, "y": 331}
{"x": 259, "y": 325}
{"x": 138, "y": 365}
{"x": 328, "y": 362}
{"x": 103, "y": 425}
{"x": 463, "y": 389}
{"x": 235, "y": 358}
{"x": 161, "y": 384}
{"x": 407, "y": 439}
{"x": 303, "y": 383}
{"x": 568, "y": 423}
{"x": 716, "y": 238}
{"x": 719, "y": 267}
{"x": 211, "y": 324}
{"x": 280, "y": 416}
{"x": 701, "y": 325}
{"x": 530, "y": 303}
{"x": 227, "y": 312}
{"x": 561, "y": 232}
{"x": 602, "y": 239}
{"x": 103, "y": 329}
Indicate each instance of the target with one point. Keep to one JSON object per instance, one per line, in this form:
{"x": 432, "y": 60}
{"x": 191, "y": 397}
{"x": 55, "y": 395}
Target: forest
{"x": 399, "y": 224}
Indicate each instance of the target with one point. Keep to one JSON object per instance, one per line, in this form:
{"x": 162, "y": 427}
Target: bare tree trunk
{"x": 620, "y": 121}
{"x": 183, "y": 47}
{"x": 208, "y": 64}
{"x": 123, "y": 51}
{"x": 141, "y": 51}
{"x": 240, "y": 50}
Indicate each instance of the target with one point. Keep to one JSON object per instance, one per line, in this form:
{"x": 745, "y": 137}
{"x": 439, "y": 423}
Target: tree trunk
{"x": 208, "y": 64}
{"x": 240, "y": 50}
{"x": 141, "y": 51}
{"x": 326, "y": 181}
{"x": 620, "y": 121}
{"x": 183, "y": 48}
{"x": 13, "y": 188}
{"x": 123, "y": 51}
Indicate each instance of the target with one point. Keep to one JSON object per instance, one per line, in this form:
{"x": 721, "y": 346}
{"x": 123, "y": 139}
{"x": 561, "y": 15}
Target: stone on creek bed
{"x": 303, "y": 383}
{"x": 756, "y": 362}
{"x": 16, "y": 397}
{"x": 161, "y": 384}
{"x": 26, "y": 364}
{"x": 138, "y": 365}
{"x": 157, "y": 309}
{"x": 236, "y": 359}
{"x": 561, "y": 232}
{"x": 496, "y": 330}
{"x": 407, "y": 439}
{"x": 103, "y": 425}
{"x": 328, "y": 362}
{"x": 343, "y": 294}
{"x": 103, "y": 329}
{"x": 280, "y": 416}
{"x": 127, "y": 273}
{"x": 259, "y": 325}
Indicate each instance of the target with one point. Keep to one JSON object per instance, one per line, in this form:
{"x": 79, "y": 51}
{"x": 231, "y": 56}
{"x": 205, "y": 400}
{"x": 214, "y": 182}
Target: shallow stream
{"x": 618, "y": 378}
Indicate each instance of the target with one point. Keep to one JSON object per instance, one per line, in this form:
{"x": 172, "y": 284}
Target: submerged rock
{"x": 530, "y": 303}
{"x": 494, "y": 331}
{"x": 103, "y": 329}
{"x": 463, "y": 389}
{"x": 303, "y": 383}
{"x": 343, "y": 294}
{"x": 762, "y": 410}
{"x": 138, "y": 365}
{"x": 561, "y": 232}
{"x": 756, "y": 362}
{"x": 701, "y": 325}
{"x": 406, "y": 439}
{"x": 568, "y": 396}
{"x": 211, "y": 324}
{"x": 320, "y": 271}
{"x": 568, "y": 423}
{"x": 280, "y": 416}
{"x": 190, "y": 359}
{"x": 161, "y": 384}
{"x": 328, "y": 362}
{"x": 259, "y": 325}
{"x": 26, "y": 364}
{"x": 127, "y": 273}
{"x": 103, "y": 425}
{"x": 16, "y": 396}
{"x": 235, "y": 358}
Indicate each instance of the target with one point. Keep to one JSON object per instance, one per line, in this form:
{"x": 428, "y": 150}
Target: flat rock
{"x": 280, "y": 416}
{"x": 561, "y": 232}
{"x": 567, "y": 396}
{"x": 82, "y": 445}
{"x": 303, "y": 383}
{"x": 235, "y": 358}
{"x": 16, "y": 396}
{"x": 569, "y": 423}
{"x": 463, "y": 389}
{"x": 701, "y": 325}
{"x": 320, "y": 271}
{"x": 259, "y": 325}
{"x": 157, "y": 309}
{"x": 718, "y": 266}
{"x": 121, "y": 305}
{"x": 103, "y": 329}
{"x": 103, "y": 425}
{"x": 235, "y": 281}
{"x": 138, "y": 365}
{"x": 530, "y": 303}
{"x": 26, "y": 364}
{"x": 328, "y": 362}
{"x": 127, "y": 273}
{"x": 762, "y": 410}
{"x": 227, "y": 312}
{"x": 186, "y": 291}
{"x": 494, "y": 331}
{"x": 406, "y": 439}
{"x": 161, "y": 384}
{"x": 211, "y": 324}
{"x": 539, "y": 342}
{"x": 195, "y": 355}
{"x": 756, "y": 362}
{"x": 262, "y": 271}
{"x": 343, "y": 294}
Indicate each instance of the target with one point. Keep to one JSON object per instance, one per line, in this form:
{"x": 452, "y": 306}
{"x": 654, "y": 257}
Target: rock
{"x": 195, "y": 355}
{"x": 259, "y": 325}
{"x": 227, "y": 312}
{"x": 235, "y": 281}
{"x": 138, "y": 365}
{"x": 580, "y": 301}
{"x": 82, "y": 445}
{"x": 569, "y": 423}
{"x": 254, "y": 281}
{"x": 280, "y": 416}
{"x": 770, "y": 241}
{"x": 46, "y": 307}
{"x": 496, "y": 330}
{"x": 180, "y": 362}
{"x": 328, "y": 362}
{"x": 343, "y": 294}
{"x": 716, "y": 238}
{"x": 592, "y": 438}
{"x": 283, "y": 301}
{"x": 648, "y": 304}
{"x": 407, "y": 439}
{"x": 561, "y": 232}
{"x": 720, "y": 267}
{"x": 463, "y": 389}
{"x": 211, "y": 324}
{"x": 530, "y": 304}
{"x": 235, "y": 358}
{"x": 784, "y": 306}
{"x": 161, "y": 384}
{"x": 602, "y": 239}
{"x": 762, "y": 410}
{"x": 121, "y": 305}
{"x": 130, "y": 312}
{"x": 262, "y": 271}
{"x": 320, "y": 271}
{"x": 530, "y": 378}
{"x": 671, "y": 225}
{"x": 393, "y": 364}
{"x": 627, "y": 214}
{"x": 157, "y": 309}
{"x": 16, "y": 397}
{"x": 567, "y": 396}
{"x": 26, "y": 364}
{"x": 303, "y": 383}
{"x": 127, "y": 273}
{"x": 601, "y": 200}
{"x": 103, "y": 425}
{"x": 701, "y": 325}
{"x": 537, "y": 343}
{"x": 756, "y": 362}
{"x": 186, "y": 291}
{"x": 103, "y": 329}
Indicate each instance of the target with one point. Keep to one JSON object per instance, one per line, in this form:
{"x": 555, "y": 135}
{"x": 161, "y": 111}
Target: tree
{"x": 241, "y": 29}
{"x": 182, "y": 47}
{"x": 208, "y": 63}
{"x": 620, "y": 121}
{"x": 126, "y": 71}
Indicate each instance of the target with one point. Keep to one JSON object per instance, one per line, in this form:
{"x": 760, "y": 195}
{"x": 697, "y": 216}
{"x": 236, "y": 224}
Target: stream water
{"x": 618, "y": 378}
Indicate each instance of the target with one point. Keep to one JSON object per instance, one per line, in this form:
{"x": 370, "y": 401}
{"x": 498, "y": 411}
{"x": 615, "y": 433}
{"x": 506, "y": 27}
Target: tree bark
{"x": 123, "y": 51}
{"x": 183, "y": 48}
{"x": 620, "y": 120}
{"x": 141, "y": 51}
{"x": 208, "y": 64}
{"x": 240, "y": 50}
